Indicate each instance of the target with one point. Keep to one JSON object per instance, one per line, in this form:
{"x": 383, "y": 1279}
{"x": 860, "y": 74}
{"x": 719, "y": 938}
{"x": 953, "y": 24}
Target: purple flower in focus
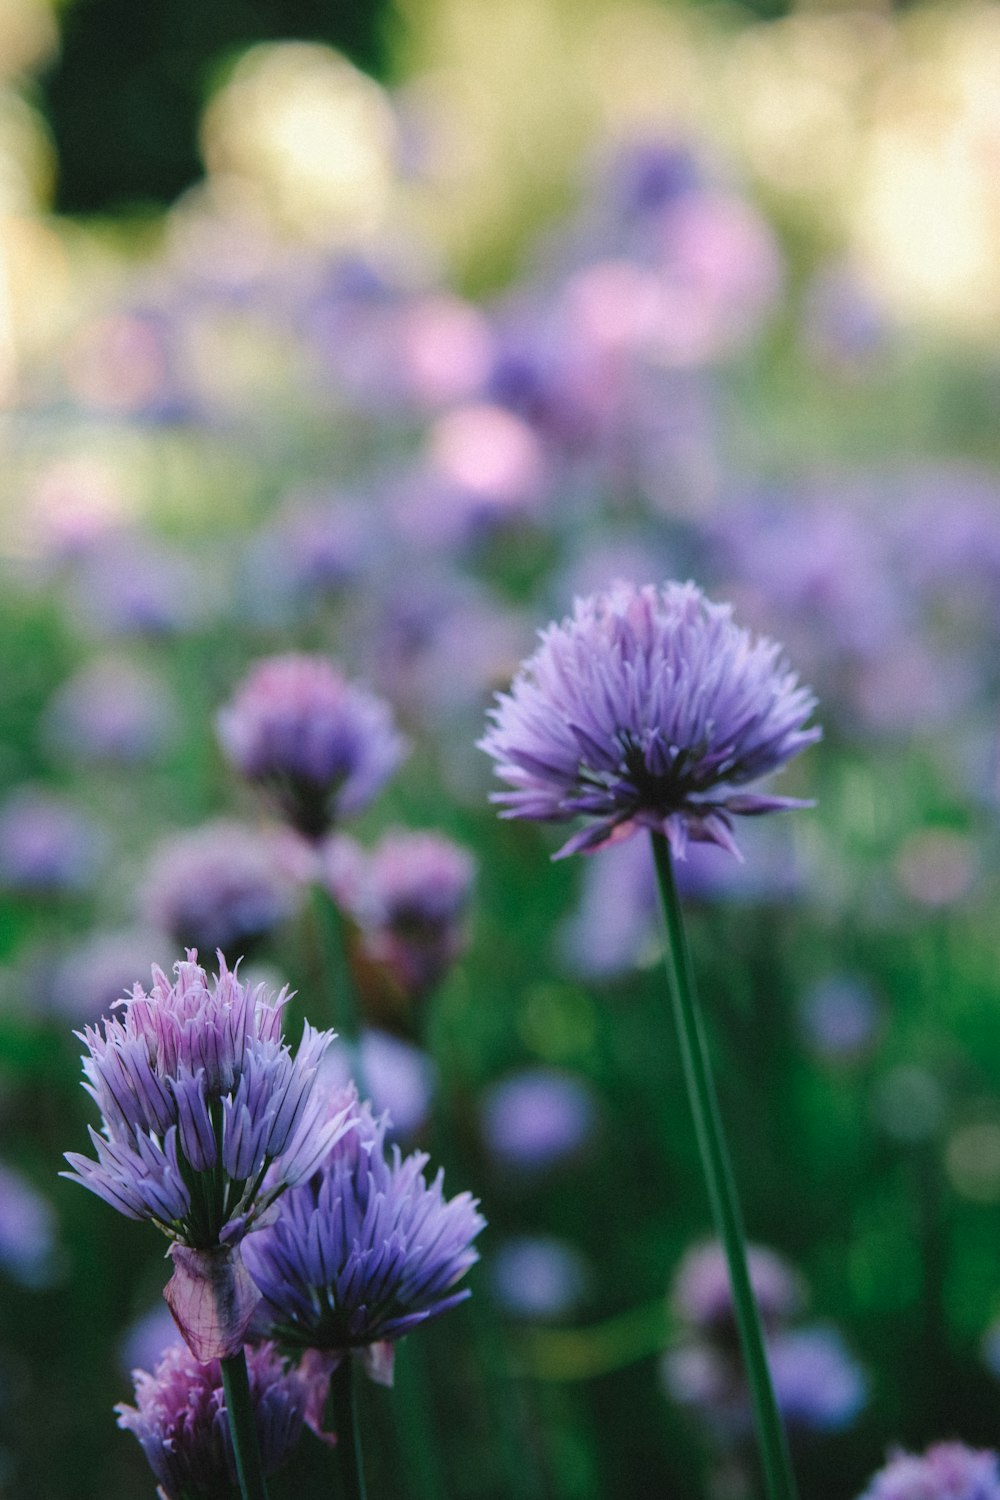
{"x": 364, "y": 1251}
{"x": 320, "y": 744}
{"x": 207, "y": 1117}
{"x": 647, "y": 708}
{"x": 222, "y": 886}
{"x": 946, "y": 1471}
{"x": 537, "y": 1118}
{"x": 180, "y": 1420}
{"x": 47, "y": 845}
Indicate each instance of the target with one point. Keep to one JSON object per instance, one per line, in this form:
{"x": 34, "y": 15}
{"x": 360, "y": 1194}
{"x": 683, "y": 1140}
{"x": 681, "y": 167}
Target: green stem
{"x": 243, "y": 1427}
{"x": 778, "y": 1476}
{"x": 347, "y": 1453}
{"x": 339, "y": 981}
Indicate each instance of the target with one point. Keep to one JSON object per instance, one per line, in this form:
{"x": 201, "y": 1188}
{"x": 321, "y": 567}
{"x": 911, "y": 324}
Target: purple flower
{"x": 27, "y": 1231}
{"x": 703, "y": 1300}
{"x": 410, "y": 898}
{"x": 947, "y": 1471}
{"x": 819, "y": 1385}
{"x": 537, "y": 1118}
{"x": 47, "y": 845}
{"x": 111, "y": 710}
{"x": 537, "y": 1276}
{"x": 648, "y": 708}
{"x": 365, "y": 1250}
{"x": 223, "y": 885}
{"x": 320, "y": 744}
{"x": 180, "y": 1420}
{"x": 400, "y": 1077}
{"x": 207, "y": 1118}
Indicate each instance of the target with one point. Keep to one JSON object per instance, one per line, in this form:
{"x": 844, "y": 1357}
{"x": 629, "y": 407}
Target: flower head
{"x": 410, "y": 898}
{"x": 947, "y": 1471}
{"x": 365, "y": 1250}
{"x": 207, "y": 1117}
{"x": 180, "y": 1420}
{"x": 222, "y": 885}
{"x": 647, "y": 708}
{"x": 321, "y": 745}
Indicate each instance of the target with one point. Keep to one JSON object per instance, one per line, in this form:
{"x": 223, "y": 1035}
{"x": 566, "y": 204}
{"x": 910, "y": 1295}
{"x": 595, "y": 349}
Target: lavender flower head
{"x": 947, "y": 1471}
{"x": 180, "y": 1420}
{"x": 702, "y": 1297}
{"x": 410, "y": 901}
{"x": 647, "y": 708}
{"x": 207, "y": 1118}
{"x": 321, "y": 745}
{"x": 364, "y": 1251}
{"x": 223, "y": 885}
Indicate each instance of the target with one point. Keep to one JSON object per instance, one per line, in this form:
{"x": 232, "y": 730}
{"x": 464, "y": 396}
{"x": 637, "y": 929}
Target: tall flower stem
{"x": 243, "y": 1427}
{"x": 344, "y": 1411}
{"x": 339, "y": 981}
{"x": 778, "y": 1476}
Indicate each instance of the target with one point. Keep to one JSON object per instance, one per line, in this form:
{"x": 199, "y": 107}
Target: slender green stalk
{"x": 778, "y": 1476}
{"x": 243, "y": 1427}
{"x": 347, "y": 1453}
{"x": 339, "y": 982}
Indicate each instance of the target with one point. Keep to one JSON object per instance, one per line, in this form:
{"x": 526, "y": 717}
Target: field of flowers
{"x": 295, "y": 477}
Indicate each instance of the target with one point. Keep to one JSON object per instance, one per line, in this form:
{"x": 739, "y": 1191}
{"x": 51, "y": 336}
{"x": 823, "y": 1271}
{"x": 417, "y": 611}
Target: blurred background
{"x": 383, "y": 331}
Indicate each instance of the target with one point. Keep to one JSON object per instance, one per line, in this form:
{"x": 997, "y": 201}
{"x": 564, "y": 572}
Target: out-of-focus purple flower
{"x": 647, "y": 708}
{"x": 818, "y": 1384}
{"x": 207, "y": 1118}
{"x": 130, "y": 584}
{"x": 222, "y": 886}
{"x": 364, "y": 1251}
{"x": 147, "y": 1339}
{"x": 443, "y": 647}
{"x": 400, "y": 1077}
{"x": 845, "y": 327}
{"x": 839, "y": 1017}
{"x": 615, "y": 921}
{"x": 538, "y": 1276}
{"x": 27, "y": 1231}
{"x": 321, "y": 745}
{"x": 702, "y": 1298}
{"x": 181, "y": 1422}
{"x": 410, "y": 904}
{"x": 537, "y": 1118}
{"x": 313, "y": 549}
{"x": 47, "y": 845}
{"x": 111, "y": 710}
{"x": 445, "y": 346}
{"x": 946, "y": 1471}
{"x": 95, "y": 974}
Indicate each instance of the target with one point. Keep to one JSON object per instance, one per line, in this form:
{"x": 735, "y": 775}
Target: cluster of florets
{"x": 365, "y": 1250}
{"x": 181, "y": 1422}
{"x": 322, "y": 746}
{"x": 207, "y": 1115}
{"x": 647, "y": 708}
{"x": 818, "y": 1385}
